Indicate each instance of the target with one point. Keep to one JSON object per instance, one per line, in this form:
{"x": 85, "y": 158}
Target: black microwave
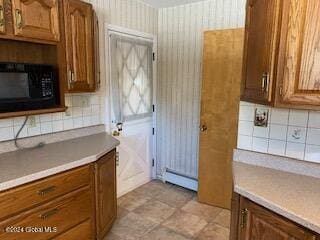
{"x": 27, "y": 87}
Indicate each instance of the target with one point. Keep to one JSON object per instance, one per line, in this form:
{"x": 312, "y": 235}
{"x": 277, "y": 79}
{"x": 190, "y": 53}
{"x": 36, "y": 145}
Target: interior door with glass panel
{"x": 131, "y": 92}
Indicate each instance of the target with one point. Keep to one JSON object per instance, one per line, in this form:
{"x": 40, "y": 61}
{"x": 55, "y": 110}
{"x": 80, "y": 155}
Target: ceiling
{"x": 168, "y": 3}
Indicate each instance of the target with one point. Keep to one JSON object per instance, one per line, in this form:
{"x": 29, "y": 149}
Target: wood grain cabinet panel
{"x": 106, "y": 194}
{"x": 62, "y": 214}
{"x": 261, "y": 36}
{"x": 38, "y": 19}
{"x": 2, "y": 18}
{"x": 257, "y": 223}
{"x": 18, "y": 199}
{"x": 79, "y": 46}
{"x": 82, "y": 231}
{"x": 299, "y": 69}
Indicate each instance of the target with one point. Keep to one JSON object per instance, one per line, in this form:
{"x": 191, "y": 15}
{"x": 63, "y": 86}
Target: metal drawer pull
{"x": 244, "y": 215}
{"x": 49, "y": 213}
{"x": 1, "y": 16}
{"x": 265, "y": 82}
{"x": 18, "y": 18}
{"x": 47, "y": 190}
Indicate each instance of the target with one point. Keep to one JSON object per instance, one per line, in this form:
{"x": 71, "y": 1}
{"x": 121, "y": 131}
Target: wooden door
{"x": 2, "y": 18}
{"x": 260, "y": 51}
{"x": 80, "y": 46}
{"x": 257, "y": 222}
{"x": 36, "y": 19}
{"x": 106, "y": 193}
{"x": 299, "y": 65}
{"x": 222, "y": 62}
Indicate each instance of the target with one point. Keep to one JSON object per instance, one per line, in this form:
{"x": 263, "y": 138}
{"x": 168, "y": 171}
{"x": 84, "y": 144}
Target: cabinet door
{"x": 259, "y": 223}
{"x": 300, "y": 56}
{"x": 106, "y": 193}
{"x": 36, "y": 19}
{"x": 80, "y": 46}
{"x": 261, "y": 41}
{"x": 2, "y": 19}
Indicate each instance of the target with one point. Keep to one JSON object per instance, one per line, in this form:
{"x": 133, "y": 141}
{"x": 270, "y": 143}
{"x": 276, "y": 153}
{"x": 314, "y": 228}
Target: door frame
{"x": 122, "y": 31}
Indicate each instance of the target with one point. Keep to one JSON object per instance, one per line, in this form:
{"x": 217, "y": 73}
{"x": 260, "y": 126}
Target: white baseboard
{"x": 181, "y": 181}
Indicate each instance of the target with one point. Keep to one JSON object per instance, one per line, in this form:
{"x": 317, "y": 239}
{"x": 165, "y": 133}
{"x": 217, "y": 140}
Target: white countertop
{"x": 291, "y": 195}
{"x": 24, "y": 166}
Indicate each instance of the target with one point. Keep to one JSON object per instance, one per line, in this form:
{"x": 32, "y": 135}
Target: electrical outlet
{"x": 85, "y": 101}
{"x": 261, "y": 117}
{"x": 32, "y": 121}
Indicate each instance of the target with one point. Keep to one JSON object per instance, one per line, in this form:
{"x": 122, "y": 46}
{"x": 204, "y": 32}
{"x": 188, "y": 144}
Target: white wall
{"x": 127, "y": 13}
{"x": 279, "y": 137}
{"x": 180, "y": 37}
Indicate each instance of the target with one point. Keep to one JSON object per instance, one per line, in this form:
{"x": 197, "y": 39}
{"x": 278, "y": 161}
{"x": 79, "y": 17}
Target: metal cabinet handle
{"x": 18, "y": 18}
{"x": 49, "y": 213}
{"x": 2, "y": 22}
{"x": 47, "y": 190}
{"x": 265, "y": 82}
{"x": 243, "y": 221}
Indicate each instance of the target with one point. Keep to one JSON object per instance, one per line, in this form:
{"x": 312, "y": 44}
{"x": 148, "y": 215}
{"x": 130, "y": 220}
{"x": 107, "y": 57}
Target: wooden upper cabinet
{"x": 106, "y": 193}
{"x": 261, "y": 36}
{"x": 79, "y": 46}
{"x": 299, "y": 66}
{"x": 37, "y": 19}
{"x": 257, "y": 222}
{"x": 2, "y": 19}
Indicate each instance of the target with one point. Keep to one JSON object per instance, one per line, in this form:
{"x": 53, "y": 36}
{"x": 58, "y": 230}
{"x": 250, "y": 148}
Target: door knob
{"x": 116, "y": 133}
{"x": 203, "y": 128}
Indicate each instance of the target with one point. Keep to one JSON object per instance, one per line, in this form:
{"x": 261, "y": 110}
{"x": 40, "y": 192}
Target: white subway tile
{"x": 278, "y": 132}
{"x": 313, "y": 136}
{"x": 6, "y": 133}
{"x": 296, "y": 134}
{"x": 314, "y": 119}
{"x": 95, "y": 109}
{"x": 313, "y": 153}
{"x": 23, "y": 133}
{"x": 246, "y": 113}
{"x": 86, "y": 111}
{"x": 262, "y": 132}
{"x": 245, "y": 128}
{"x": 6, "y": 123}
{"x": 87, "y": 121}
{"x": 46, "y": 117}
{"x": 279, "y": 116}
{"x": 298, "y": 118}
{"x": 34, "y": 131}
{"x": 260, "y": 145}
{"x": 57, "y": 116}
{"x": 46, "y": 127}
{"x": 78, "y": 122}
{"x": 95, "y": 120}
{"x": 76, "y": 101}
{"x": 68, "y": 124}
{"x": 277, "y": 147}
{"x": 94, "y": 99}
{"x": 245, "y": 142}
{"x": 57, "y": 126}
{"x": 68, "y": 113}
{"x": 76, "y": 112}
{"x": 295, "y": 150}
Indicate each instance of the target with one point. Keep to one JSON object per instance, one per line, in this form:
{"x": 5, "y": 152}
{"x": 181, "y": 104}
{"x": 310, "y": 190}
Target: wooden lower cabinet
{"x": 106, "y": 194}
{"x": 82, "y": 231}
{"x": 251, "y": 221}
{"x": 77, "y": 204}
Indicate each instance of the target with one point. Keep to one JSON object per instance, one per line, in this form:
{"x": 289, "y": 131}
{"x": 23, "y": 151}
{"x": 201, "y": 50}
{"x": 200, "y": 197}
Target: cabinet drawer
{"x": 82, "y": 231}
{"x": 21, "y": 198}
{"x": 61, "y": 214}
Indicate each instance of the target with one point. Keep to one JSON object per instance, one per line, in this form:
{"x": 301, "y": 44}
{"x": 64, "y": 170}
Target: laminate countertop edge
{"x": 104, "y": 144}
{"x": 280, "y": 192}
{"x": 278, "y": 209}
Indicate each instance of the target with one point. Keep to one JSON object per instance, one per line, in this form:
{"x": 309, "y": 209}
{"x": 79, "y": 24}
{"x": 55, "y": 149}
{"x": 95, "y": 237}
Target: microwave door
{"x": 14, "y": 86}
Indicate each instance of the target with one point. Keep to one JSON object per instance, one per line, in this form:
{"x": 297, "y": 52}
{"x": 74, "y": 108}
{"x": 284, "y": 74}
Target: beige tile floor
{"x": 158, "y": 211}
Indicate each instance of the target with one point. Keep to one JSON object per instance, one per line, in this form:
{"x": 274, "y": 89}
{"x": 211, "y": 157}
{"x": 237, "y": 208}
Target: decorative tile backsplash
{"x": 84, "y": 110}
{"x": 291, "y": 133}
